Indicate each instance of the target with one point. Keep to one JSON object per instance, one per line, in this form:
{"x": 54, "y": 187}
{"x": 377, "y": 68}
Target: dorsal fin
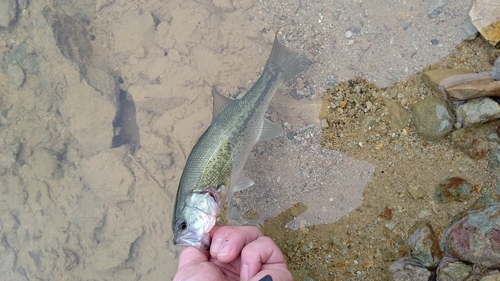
{"x": 220, "y": 103}
{"x": 269, "y": 130}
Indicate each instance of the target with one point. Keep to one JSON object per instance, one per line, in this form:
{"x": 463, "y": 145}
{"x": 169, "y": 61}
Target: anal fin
{"x": 269, "y": 130}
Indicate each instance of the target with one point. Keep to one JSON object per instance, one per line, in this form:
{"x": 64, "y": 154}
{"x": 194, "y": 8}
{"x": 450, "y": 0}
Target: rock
{"x": 416, "y": 190}
{"x": 16, "y": 74}
{"x": 432, "y": 118}
{"x": 432, "y": 78}
{"x": 453, "y": 189}
{"x": 478, "y": 111}
{"x": 468, "y": 31}
{"x": 399, "y": 117}
{"x": 435, "y": 8}
{"x": 7, "y": 12}
{"x": 424, "y": 245}
{"x": 494, "y": 161}
{"x": 495, "y": 71}
{"x": 482, "y": 87}
{"x": 472, "y": 142}
{"x": 405, "y": 269}
{"x": 485, "y": 15}
{"x": 8, "y": 154}
{"x": 493, "y": 277}
{"x": 451, "y": 269}
{"x": 475, "y": 238}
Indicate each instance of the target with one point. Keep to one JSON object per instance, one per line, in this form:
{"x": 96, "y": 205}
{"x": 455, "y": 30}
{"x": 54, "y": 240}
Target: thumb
{"x": 191, "y": 255}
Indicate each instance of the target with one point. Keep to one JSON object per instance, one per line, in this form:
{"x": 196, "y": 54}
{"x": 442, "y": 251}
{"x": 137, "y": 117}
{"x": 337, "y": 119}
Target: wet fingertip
{"x": 266, "y": 278}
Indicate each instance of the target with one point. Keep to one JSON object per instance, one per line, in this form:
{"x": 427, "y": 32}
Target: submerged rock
{"x": 475, "y": 238}
{"x": 451, "y": 269}
{"x": 432, "y": 118}
{"x": 7, "y": 12}
{"x": 424, "y": 245}
{"x": 453, "y": 189}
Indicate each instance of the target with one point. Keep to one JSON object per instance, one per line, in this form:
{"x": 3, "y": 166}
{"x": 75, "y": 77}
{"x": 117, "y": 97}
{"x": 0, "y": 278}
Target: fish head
{"x": 195, "y": 220}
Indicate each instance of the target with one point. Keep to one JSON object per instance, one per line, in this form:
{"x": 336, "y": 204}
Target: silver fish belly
{"x": 213, "y": 168}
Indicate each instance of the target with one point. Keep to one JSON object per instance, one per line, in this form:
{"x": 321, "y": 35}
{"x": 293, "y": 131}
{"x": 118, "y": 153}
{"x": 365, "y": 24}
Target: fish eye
{"x": 182, "y": 225}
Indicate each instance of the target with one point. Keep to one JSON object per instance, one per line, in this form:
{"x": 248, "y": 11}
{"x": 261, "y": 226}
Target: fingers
{"x": 228, "y": 241}
{"x": 191, "y": 255}
{"x": 262, "y": 257}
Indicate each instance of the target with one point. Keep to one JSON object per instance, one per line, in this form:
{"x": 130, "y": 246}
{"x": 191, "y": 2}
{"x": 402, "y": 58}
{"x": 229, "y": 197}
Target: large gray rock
{"x": 432, "y": 118}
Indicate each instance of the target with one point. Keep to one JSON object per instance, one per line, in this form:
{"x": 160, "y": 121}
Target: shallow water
{"x": 102, "y": 101}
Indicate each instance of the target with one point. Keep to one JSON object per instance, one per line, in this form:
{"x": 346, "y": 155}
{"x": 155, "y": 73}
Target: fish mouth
{"x": 194, "y": 240}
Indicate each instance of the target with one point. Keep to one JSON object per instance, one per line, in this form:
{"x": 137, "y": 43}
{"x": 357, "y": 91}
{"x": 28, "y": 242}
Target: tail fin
{"x": 287, "y": 63}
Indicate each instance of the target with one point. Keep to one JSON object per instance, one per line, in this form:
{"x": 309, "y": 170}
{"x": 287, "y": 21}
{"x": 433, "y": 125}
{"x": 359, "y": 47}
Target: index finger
{"x": 228, "y": 241}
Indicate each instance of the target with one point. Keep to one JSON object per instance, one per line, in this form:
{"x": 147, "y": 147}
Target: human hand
{"x": 236, "y": 253}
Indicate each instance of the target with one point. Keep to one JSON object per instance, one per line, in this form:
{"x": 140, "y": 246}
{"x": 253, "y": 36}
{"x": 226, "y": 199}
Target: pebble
{"x": 494, "y": 161}
{"x": 475, "y": 238}
{"x": 432, "y": 118}
{"x": 478, "y": 111}
{"x": 399, "y": 117}
{"x": 405, "y": 269}
{"x": 416, "y": 190}
{"x": 453, "y": 189}
{"x": 7, "y": 12}
{"x": 451, "y": 269}
{"x": 424, "y": 245}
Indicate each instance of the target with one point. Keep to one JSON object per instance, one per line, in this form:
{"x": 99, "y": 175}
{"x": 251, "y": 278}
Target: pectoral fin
{"x": 242, "y": 183}
{"x": 269, "y": 130}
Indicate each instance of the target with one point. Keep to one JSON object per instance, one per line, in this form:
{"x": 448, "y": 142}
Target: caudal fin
{"x": 287, "y": 63}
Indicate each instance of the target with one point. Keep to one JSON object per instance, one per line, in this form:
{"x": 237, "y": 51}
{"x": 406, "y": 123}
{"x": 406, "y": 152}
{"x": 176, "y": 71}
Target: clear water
{"x": 101, "y": 102}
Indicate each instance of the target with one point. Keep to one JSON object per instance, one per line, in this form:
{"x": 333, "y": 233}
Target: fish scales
{"x": 213, "y": 168}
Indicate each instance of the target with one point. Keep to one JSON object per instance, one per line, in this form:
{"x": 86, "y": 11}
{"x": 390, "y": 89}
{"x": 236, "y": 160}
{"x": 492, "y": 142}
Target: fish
{"x": 213, "y": 170}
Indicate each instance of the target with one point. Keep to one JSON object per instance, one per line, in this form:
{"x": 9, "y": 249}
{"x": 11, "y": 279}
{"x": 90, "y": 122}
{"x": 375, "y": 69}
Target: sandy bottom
{"x": 102, "y": 101}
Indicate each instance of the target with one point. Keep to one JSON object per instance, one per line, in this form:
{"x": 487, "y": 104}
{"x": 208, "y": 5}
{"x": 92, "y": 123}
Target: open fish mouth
{"x": 194, "y": 240}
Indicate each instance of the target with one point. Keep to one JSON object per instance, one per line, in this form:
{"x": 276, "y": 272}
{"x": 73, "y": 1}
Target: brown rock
{"x": 432, "y": 78}
{"x": 475, "y": 89}
{"x": 453, "y": 189}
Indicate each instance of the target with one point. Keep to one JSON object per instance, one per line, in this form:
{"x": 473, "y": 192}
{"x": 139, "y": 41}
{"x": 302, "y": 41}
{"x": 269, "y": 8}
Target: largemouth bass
{"x": 213, "y": 168}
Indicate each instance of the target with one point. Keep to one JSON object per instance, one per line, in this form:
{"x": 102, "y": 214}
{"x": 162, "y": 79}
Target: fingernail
{"x": 244, "y": 272}
{"x": 217, "y": 245}
{"x": 225, "y": 250}
{"x": 266, "y": 278}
